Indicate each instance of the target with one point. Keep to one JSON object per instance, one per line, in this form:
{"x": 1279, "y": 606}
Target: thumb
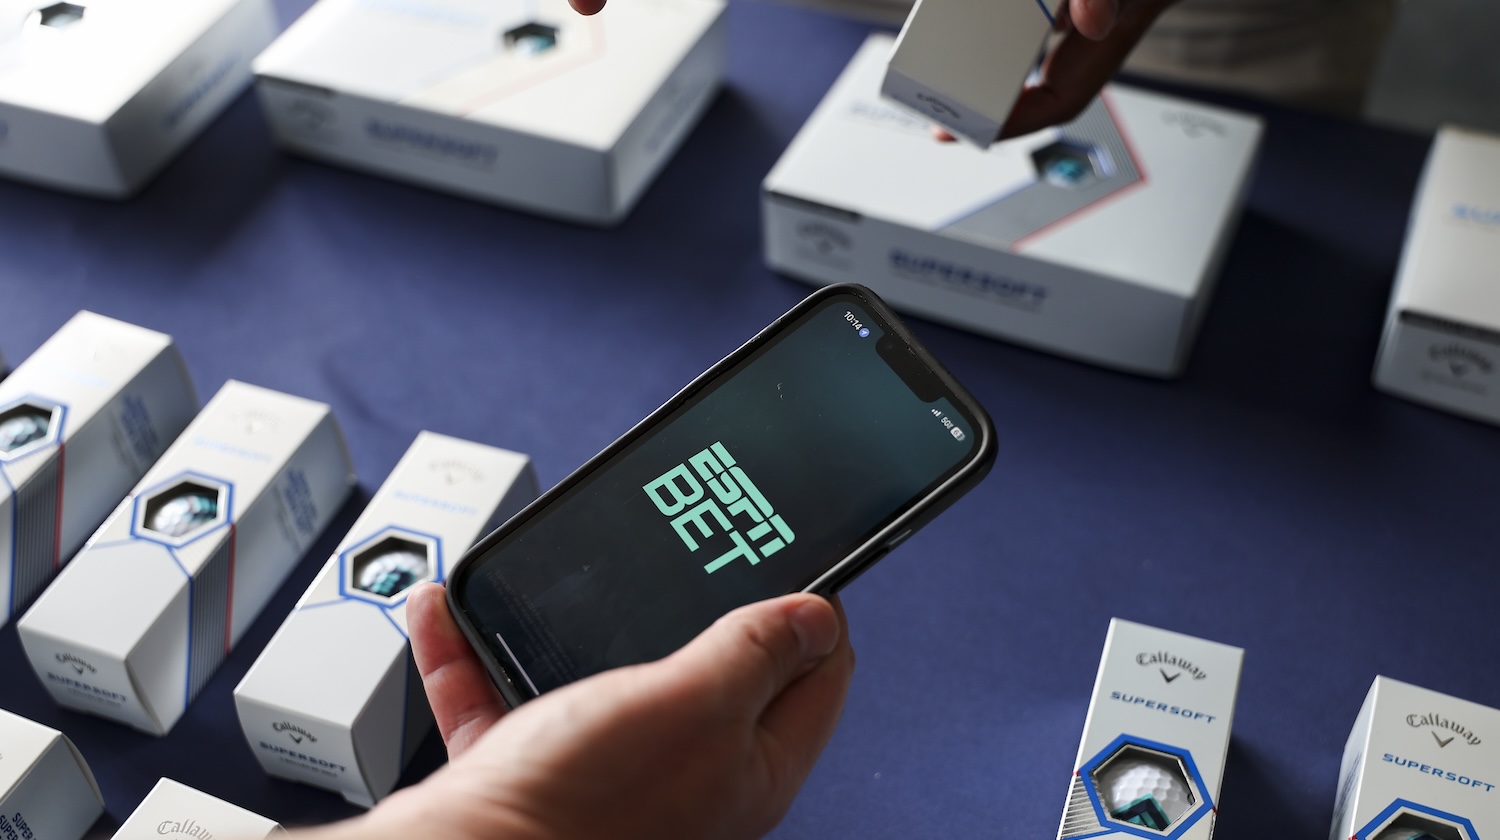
{"x": 752, "y": 654}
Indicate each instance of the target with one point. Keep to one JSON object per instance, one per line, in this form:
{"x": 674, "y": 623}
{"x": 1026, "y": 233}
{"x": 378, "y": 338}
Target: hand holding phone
{"x": 790, "y": 466}
{"x": 713, "y": 741}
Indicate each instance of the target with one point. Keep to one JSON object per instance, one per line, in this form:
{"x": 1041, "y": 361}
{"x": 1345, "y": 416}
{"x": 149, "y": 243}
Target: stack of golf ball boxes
{"x": 142, "y": 618}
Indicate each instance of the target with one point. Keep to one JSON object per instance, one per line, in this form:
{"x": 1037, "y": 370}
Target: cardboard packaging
{"x": 46, "y": 789}
{"x": 1157, "y": 734}
{"x": 1100, "y": 240}
{"x": 523, "y": 103}
{"x": 962, "y": 64}
{"x": 1419, "y": 765}
{"x": 142, "y": 618}
{"x": 81, "y": 421}
{"x": 1442, "y": 331}
{"x": 97, "y": 97}
{"x": 177, "y": 812}
{"x": 334, "y": 700}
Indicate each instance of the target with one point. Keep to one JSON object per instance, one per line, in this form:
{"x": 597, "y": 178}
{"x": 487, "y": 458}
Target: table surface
{"x": 1270, "y": 498}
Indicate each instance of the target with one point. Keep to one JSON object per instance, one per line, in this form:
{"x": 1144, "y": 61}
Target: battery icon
{"x": 958, "y": 434}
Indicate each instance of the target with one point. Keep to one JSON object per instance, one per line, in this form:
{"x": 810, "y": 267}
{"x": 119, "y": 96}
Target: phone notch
{"x": 903, "y": 359}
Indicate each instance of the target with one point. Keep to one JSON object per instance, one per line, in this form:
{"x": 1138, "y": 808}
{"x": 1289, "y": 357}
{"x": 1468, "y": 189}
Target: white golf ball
{"x": 1137, "y": 776}
{"x": 1404, "y": 834}
{"x": 20, "y": 430}
{"x": 392, "y": 573}
{"x": 184, "y": 514}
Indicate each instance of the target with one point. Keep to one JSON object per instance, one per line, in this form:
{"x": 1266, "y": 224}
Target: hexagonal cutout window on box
{"x": 182, "y": 510}
{"x": 1410, "y": 826}
{"x": 1144, "y": 787}
{"x": 60, "y": 15}
{"x": 27, "y": 426}
{"x": 383, "y": 569}
{"x": 531, "y": 38}
{"x": 1069, "y": 165}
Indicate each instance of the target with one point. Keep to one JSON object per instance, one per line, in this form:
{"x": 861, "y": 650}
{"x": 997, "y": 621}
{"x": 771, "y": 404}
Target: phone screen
{"x": 752, "y": 488}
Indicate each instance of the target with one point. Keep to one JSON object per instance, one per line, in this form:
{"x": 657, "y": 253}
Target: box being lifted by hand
{"x": 1100, "y": 239}
{"x": 962, "y": 63}
{"x": 96, "y": 96}
{"x": 523, "y": 103}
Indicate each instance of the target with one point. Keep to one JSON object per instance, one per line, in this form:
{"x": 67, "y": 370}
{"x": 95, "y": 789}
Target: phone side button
{"x": 862, "y": 569}
{"x": 897, "y": 540}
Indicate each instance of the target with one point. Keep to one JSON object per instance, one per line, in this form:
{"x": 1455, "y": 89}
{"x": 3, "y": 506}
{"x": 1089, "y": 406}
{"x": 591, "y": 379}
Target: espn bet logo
{"x": 682, "y": 493}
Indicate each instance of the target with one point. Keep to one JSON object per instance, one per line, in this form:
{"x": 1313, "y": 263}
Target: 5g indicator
{"x": 953, "y": 429}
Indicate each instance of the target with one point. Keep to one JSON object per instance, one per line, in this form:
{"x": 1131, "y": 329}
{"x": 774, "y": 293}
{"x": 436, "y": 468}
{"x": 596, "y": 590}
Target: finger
{"x": 464, "y": 702}
{"x": 587, "y": 7}
{"x": 750, "y": 655}
{"x": 1094, "y": 19}
{"x": 1076, "y": 70}
{"x": 798, "y": 724}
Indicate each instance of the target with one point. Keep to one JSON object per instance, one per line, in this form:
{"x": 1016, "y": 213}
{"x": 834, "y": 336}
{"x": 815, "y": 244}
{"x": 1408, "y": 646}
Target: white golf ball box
{"x": 1419, "y": 765}
{"x": 1441, "y": 345}
{"x": 97, "y": 96}
{"x": 1100, "y": 239}
{"x": 963, "y": 63}
{"x": 334, "y": 701}
{"x": 47, "y": 791}
{"x": 1153, "y": 749}
{"x": 523, "y": 103}
{"x": 81, "y": 420}
{"x": 175, "y": 811}
{"x": 145, "y": 614}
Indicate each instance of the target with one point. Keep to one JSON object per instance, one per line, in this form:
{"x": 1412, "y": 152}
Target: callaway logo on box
{"x": 1419, "y": 765}
{"x": 142, "y": 618}
{"x": 1100, "y": 239}
{"x": 519, "y": 102}
{"x": 334, "y": 700}
{"x": 175, "y": 811}
{"x": 1157, "y": 734}
{"x": 1442, "y": 332}
{"x": 81, "y": 421}
{"x": 46, "y": 789}
{"x": 96, "y": 96}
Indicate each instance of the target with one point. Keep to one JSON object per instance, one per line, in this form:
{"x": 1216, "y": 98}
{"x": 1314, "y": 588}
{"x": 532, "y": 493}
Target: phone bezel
{"x": 840, "y": 572}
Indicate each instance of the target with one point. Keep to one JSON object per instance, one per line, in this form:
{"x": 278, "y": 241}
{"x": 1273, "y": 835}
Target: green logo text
{"x": 683, "y": 494}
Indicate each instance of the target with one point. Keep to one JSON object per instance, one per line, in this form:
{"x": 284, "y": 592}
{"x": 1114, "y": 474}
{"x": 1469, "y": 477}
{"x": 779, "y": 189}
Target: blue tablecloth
{"x": 1270, "y": 498}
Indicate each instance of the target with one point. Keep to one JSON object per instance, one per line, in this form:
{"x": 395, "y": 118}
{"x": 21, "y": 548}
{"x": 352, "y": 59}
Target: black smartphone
{"x": 790, "y": 466}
